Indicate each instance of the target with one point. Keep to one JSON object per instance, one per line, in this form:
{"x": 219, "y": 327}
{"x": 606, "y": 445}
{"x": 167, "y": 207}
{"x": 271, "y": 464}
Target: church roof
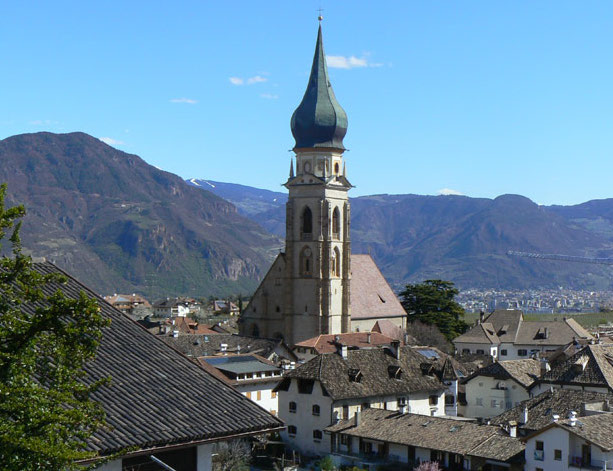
{"x": 319, "y": 120}
{"x": 371, "y": 295}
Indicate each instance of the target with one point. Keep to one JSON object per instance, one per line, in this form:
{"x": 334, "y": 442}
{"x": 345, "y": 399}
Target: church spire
{"x": 319, "y": 120}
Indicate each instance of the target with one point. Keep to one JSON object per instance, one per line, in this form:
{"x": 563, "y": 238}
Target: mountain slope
{"x": 465, "y": 240}
{"x": 120, "y": 224}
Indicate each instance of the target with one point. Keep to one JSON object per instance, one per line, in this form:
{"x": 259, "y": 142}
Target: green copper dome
{"x": 319, "y": 120}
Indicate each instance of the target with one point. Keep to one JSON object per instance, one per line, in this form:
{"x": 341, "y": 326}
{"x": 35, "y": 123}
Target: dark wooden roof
{"x": 157, "y": 396}
{"x": 542, "y": 408}
{"x": 334, "y": 373}
{"x": 435, "y": 433}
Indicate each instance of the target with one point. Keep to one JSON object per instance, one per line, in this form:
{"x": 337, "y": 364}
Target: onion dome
{"x": 319, "y": 120}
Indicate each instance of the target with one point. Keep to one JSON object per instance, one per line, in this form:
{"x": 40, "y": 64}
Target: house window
{"x": 292, "y": 407}
{"x": 291, "y": 430}
{"x": 466, "y": 350}
{"x": 365, "y": 405}
{"x": 449, "y": 400}
{"x": 317, "y": 435}
{"x": 345, "y": 412}
{"x": 316, "y": 409}
{"x": 480, "y": 352}
{"x": 259, "y": 395}
{"x": 273, "y": 395}
{"x": 248, "y": 394}
{"x": 539, "y": 451}
{"x": 557, "y": 455}
{"x": 345, "y": 440}
{"x": 522, "y": 352}
{"x": 503, "y": 352}
{"x": 433, "y": 400}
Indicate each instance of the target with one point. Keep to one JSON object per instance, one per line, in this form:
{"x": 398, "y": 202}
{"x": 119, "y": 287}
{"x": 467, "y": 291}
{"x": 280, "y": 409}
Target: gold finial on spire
{"x": 320, "y": 17}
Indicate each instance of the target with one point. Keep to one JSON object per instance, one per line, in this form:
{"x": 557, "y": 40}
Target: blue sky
{"x": 479, "y": 97}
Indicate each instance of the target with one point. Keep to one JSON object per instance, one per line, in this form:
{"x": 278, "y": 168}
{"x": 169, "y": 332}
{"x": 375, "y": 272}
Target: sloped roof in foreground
{"x": 157, "y": 396}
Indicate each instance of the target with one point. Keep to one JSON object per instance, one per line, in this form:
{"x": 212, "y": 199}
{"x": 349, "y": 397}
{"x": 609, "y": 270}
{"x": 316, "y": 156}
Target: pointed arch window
{"x": 336, "y": 223}
{"x": 306, "y": 262}
{"x": 306, "y": 229}
{"x": 335, "y": 263}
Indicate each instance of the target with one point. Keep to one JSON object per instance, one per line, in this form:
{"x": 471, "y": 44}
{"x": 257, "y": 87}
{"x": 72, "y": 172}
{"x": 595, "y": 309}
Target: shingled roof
{"x": 525, "y": 372}
{"x": 592, "y": 365}
{"x": 508, "y": 326}
{"x": 435, "y": 433}
{"x": 194, "y": 345}
{"x": 329, "y": 343}
{"x": 542, "y": 408}
{"x": 371, "y": 295}
{"x": 333, "y": 372}
{"x": 157, "y": 397}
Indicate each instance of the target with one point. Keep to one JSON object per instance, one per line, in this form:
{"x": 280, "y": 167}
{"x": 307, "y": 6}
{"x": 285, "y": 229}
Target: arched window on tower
{"x": 336, "y": 223}
{"x": 336, "y": 262}
{"x": 336, "y": 168}
{"x": 306, "y": 262}
{"x": 306, "y": 229}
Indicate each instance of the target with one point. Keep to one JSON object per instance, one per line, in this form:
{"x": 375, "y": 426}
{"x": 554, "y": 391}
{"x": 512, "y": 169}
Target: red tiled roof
{"x": 327, "y": 343}
{"x": 371, "y": 295}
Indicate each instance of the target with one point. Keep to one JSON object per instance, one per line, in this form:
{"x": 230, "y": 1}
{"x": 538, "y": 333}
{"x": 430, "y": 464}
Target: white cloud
{"x": 449, "y": 191}
{"x": 189, "y": 101}
{"x": 111, "y": 142}
{"x": 248, "y": 81}
{"x": 256, "y": 79}
{"x": 350, "y": 62}
{"x": 269, "y": 96}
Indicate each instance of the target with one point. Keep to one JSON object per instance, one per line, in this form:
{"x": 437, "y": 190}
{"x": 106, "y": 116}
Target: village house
{"x": 499, "y": 386}
{"x": 505, "y": 335}
{"x": 128, "y": 303}
{"x": 589, "y": 369}
{"x": 572, "y": 443}
{"x": 330, "y": 343}
{"x": 194, "y": 346}
{"x": 537, "y": 412}
{"x": 333, "y": 386}
{"x": 159, "y": 403}
{"x": 170, "y": 308}
{"x": 254, "y": 376}
{"x": 221, "y": 306}
{"x": 374, "y": 438}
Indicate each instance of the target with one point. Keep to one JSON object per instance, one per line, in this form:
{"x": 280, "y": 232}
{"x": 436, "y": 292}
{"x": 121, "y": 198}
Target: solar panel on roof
{"x": 428, "y": 353}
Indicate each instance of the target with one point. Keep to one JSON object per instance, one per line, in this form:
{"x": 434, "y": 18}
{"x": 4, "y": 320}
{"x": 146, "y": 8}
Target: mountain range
{"x": 122, "y": 225}
{"x": 458, "y": 238}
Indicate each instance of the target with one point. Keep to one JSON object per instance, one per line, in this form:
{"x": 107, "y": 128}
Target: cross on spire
{"x": 320, "y": 17}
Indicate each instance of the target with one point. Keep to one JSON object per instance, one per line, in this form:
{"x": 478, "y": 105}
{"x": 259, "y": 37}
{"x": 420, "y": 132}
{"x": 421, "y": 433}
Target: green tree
{"x": 432, "y": 302}
{"x": 46, "y": 414}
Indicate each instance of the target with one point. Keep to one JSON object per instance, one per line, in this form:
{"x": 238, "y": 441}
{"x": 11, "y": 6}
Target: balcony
{"x": 577, "y": 462}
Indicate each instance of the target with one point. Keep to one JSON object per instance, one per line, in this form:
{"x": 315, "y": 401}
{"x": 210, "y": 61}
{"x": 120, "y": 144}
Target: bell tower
{"x": 317, "y": 244}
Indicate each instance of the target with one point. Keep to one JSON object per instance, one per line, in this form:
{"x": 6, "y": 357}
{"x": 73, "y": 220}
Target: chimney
{"x": 223, "y": 347}
{"x": 524, "y": 417}
{"x": 396, "y": 348}
{"x": 555, "y": 417}
{"x": 343, "y": 351}
{"x": 401, "y": 407}
{"x": 544, "y": 366}
{"x": 175, "y": 333}
{"x": 512, "y": 429}
{"x": 481, "y": 317}
{"x": 546, "y": 332}
{"x": 368, "y": 337}
{"x": 406, "y": 338}
{"x": 573, "y": 418}
{"x": 357, "y": 417}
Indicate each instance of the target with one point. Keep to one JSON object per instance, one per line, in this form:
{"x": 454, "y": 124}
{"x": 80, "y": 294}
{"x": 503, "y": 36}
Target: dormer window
{"x": 355, "y": 375}
{"x": 395, "y": 372}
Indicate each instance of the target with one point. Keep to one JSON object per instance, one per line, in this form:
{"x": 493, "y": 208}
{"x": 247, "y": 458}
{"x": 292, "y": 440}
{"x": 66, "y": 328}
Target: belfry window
{"x": 307, "y": 224}
{"x": 306, "y": 262}
{"x": 336, "y": 168}
{"x": 335, "y": 263}
{"x": 336, "y": 223}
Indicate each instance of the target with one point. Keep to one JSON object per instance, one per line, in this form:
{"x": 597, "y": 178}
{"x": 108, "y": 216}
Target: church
{"x": 316, "y": 286}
